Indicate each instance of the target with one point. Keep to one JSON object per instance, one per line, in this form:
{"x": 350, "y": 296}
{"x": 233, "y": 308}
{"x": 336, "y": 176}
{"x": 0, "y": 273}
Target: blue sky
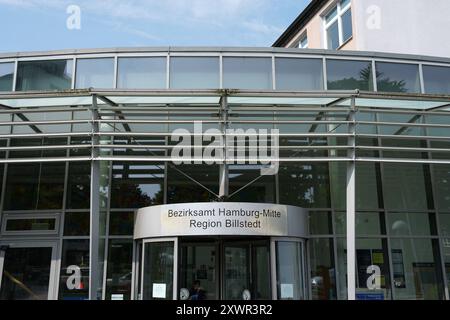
{"x": 41, "y": 24}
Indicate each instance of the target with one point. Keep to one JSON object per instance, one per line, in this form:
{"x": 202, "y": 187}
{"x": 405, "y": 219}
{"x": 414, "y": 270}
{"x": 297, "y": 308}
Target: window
{"x": 397, "y": 77}
{"x": 6, "y": 76}
{"x": 298, "y": 74}
{"x": 95, "y": 73}
{"x": 338, "y": 25}
{"x": 349, "y": 75}
{"x": 303, "y": 43}
{"x": 44, "y": 75}
{"x": 194, "y": 73}
{"x": 142, "y": 73}
{"x": 247, "y": 73}
{"x": 436, "y": 79}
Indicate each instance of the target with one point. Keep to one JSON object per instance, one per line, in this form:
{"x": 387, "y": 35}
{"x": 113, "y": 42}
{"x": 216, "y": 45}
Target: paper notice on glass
{"x": 159, "y": 290}
{"x": 287, "y": 291}
{"x": 117, "y": 296}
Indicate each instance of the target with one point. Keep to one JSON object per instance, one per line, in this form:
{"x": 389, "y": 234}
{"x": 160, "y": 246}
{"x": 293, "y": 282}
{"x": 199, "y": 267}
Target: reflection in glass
{"x": 194, "y": 73}
{"x": 76, "y": 223}
{"x": 44, "y": 75}
{"x": 333, "y": 36}
{"x": 75, "y": 259}
{"x": 289, "y": 270}
{"x": 26, "y": 274}
{"x": 136, "y": 185}
{"x": 397, "y": 77}
{"x": 35, "y": 186}
{"x": 298, "y": 74}
{"x": 78, "y": 185}
{"x": 323, "y": 272}
{"x": 347, "y": 31}
{"x": 415, "y": 177}
{"x": 436, "y": 79}
{"x": 118, "y": 275}
{"x": 95, "y": 73}
{"x": 262, "y": 189}
{"x": 349, "y": 75}
{"x": 121, "y": 223}
{"x": 158, "y": 271}
{"x": 181, "y": 188}
{"x": 141, "y": 73}
{"x": 411, "y": 224}
{"x": 198, "y": 272}
{"x": 304, "y": 185}
{"x": 247, "y": 73}
{"x": 417, "y": 274}
{"x": 237, "y": 271}
{"x": 6, "y": 76}
{"x": 38, "y": 224}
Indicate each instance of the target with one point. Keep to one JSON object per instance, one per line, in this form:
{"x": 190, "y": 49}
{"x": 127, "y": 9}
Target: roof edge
{"x": 302, "y": 19}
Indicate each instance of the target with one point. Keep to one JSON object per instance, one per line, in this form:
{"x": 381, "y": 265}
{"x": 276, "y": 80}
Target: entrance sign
{"x": 221, "y": 218}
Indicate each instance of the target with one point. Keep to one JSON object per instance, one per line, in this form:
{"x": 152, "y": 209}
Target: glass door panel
{"x": 158, "y": 274}
{"x": 236, "y": 273}
{"x": 261, "y": 272}
{"x": 198, "y": 271}
{"x": 289, "y": 270}
{"x": 27, "y": 273}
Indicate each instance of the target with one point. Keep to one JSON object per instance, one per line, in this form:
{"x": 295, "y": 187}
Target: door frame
{"x": 175, "y": 263}
{"x": 273, "y": 262}
{"x": 54, "y": 263}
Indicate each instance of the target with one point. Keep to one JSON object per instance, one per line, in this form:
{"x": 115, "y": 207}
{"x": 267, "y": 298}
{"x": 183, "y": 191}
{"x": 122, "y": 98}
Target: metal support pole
{"x": 224, "y": 187}
{"x": 94, "y": 263}
{"x": 351, "y": 204}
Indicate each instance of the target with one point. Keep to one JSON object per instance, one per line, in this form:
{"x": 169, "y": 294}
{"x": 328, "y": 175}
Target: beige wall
{"x": 315, "y": 32}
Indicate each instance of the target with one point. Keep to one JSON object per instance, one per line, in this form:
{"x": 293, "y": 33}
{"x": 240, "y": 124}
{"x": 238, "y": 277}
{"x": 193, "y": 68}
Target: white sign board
{"x": 220, "y": 218}
{"x": 159, "y": 290}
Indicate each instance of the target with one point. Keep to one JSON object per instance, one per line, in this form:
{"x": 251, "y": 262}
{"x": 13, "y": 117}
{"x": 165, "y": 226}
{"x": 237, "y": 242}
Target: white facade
{"x": 395, "y": 26}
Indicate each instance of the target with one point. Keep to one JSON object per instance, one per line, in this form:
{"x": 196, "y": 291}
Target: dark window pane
{"x": 34, "y": 186}
{"x": 247, "y": 73}
{"x": 436, "y": 79}
{"x": 444, "y": 223}
{"x": 6, "y": 76}
{"x": 194, "y": 73}
{"x": 182, "y": 189}
{"x": 305, "y": 185}
{"x": 333, "y": 36}
{"x": 349, "y": 75}
{"x": 323, "y": 271}
{"x": 95, "y": 73}
{"x": 44, "y": 75}
{"x": 121, "y": 223}
{"x": 397, "y": 77}
{"x": 261, "y": 190}
{"x": 26, "y": 274}
{"x": 298, "y": 74}
{"x": 136, "y": 185}
{"x": 78, "y": 185}
{"x": 142, "y": 73}
{"x": 320, "y": 223}
{"x": 74, "y": 262}
{"x": 118, "y": 277}
{"x": 30, "y": 224}
{"x": 76, "y": 224}
{"x": 347, "y": 31}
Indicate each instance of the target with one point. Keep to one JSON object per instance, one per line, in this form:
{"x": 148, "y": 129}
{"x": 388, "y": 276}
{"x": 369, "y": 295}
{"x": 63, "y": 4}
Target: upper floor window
{"x": 303, "y": 43}
{"x": 338, "y": 25}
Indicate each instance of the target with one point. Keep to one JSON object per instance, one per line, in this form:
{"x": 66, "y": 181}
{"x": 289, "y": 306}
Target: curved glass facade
{"x": 71, "y": 155}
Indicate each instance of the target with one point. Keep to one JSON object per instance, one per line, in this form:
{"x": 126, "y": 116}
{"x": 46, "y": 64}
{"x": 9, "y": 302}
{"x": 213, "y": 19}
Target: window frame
{"x": 303, "y": 41}
{"x": 340, "y": 11}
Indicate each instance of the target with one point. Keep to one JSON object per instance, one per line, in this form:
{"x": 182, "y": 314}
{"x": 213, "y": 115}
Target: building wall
{"x": 412, "y": 26}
